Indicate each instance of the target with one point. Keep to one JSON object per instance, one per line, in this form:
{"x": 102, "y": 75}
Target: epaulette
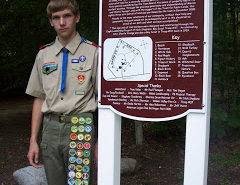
{"x": 91, "y": 43}
{"x": 44, "y": 46}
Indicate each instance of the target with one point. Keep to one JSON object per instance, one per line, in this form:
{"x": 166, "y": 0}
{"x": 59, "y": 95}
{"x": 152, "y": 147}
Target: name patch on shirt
{"x": 49, "y": 67}
{"x": 80, "y": 92}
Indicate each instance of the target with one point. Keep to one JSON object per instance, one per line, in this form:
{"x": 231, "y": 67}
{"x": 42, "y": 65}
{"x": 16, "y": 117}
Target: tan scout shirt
{"x": 80, "y": 93}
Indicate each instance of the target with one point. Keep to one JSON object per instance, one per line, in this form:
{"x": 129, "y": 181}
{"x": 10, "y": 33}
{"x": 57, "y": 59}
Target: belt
{"x": 59, "y": 118}
{"x": 64, "y": 118}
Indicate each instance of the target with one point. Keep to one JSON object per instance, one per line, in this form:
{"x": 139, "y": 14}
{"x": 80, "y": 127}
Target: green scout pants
{"x": 55, "y": 146}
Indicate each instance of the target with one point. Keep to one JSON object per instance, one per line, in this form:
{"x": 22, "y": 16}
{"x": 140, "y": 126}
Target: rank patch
{"x": 49, "y": 67}
{"x": 81, "y": 78}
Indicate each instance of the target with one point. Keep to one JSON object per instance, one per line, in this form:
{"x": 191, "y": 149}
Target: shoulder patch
{"x": 44, "y": 46}
{"x": 91, "y": 43}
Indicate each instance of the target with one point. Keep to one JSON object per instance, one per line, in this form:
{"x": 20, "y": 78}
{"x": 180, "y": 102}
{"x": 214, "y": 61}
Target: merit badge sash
{"x": 81, "y": 148}
{"x": 49, "y": 67}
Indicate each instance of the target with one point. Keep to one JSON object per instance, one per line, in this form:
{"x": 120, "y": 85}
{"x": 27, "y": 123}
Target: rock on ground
{"x": 36, "y": 176}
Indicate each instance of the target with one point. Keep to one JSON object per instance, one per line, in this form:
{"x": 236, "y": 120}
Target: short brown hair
{"x": 59, "y": 5}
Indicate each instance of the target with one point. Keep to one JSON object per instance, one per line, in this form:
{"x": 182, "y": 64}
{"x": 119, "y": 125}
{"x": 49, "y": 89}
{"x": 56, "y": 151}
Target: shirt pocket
{"x": 81, "y": 77}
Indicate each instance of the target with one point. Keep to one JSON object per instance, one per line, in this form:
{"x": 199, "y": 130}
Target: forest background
{"x": 24, "y": 27}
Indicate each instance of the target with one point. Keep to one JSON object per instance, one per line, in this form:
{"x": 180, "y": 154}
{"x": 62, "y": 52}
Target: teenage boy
{"x": 64, "y": 84}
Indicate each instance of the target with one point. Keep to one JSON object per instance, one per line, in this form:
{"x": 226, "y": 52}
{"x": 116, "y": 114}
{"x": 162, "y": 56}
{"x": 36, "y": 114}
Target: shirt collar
{"x": 71, "y": 46}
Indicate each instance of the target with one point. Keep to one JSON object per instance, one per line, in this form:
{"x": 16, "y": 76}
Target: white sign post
{"x": 197, "y": 124}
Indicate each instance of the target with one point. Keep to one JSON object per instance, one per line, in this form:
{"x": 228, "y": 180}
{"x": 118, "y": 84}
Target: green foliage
{"x": 225, "y": 116}
{"x": 168, "y": 128}
{"x": 220, "y": 161}
{"x": 180, "y": 176}
{"x": 24, "y": 28}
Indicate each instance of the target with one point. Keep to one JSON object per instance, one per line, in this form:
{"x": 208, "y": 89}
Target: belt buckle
{"x": 62, "y": 118}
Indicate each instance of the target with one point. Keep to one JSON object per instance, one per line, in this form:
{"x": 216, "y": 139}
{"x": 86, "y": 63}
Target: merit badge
{"x": 79, "y": 168}
{"x": 79, "y": 153}
{"x": 81, "y": 128}
{"x": 49, "y": 67}
{"x": 81, "y": 78}
{"x": 71, "y": 174}
{"x": 85, "y": 169}
{"x": 79, "y": 160}
{"x": 86, "y": 153}
{"x": 80, "y": 137}
{"x": 81, "y": 120}
{"x": 85, "y": 176}
{"x": 71, "y": 167}
{"x": 80, "y": 146}
{"x": 75, "y": 61}
{"x": 71, "y": 181}
{"x": 85, "y": 182}
{"x": 72, "y": 152}
{"x": 88, "y": 120}
{"x": 72, "y": 159}
{"x": 82, "y": 58}
{"x": 73, "y": 136}
{"x": 87, "y": 137}
{"x": 86, "y": 161}
{"x": 74, "y": 120}
{"x": 88, "y": 128}
{"x": 78, "y": 175}
{"x": 72, "y": 144}
{"x": 74, "y": 129}
{"x": 78, "y": 182}
{"x": 87, "y": 145}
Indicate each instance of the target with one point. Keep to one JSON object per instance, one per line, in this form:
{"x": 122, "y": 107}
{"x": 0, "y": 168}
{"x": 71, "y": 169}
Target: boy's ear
{"x": 50, "y": 21}
{"x": 77, "y": 18}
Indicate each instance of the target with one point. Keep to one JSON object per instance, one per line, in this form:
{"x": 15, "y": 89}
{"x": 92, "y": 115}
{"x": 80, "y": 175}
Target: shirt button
{"x": 81, "y": 68}
{"x": 61, "y": 98}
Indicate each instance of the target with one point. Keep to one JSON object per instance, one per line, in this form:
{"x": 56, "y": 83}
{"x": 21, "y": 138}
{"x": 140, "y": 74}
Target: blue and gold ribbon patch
{"x": 49, "y": 67}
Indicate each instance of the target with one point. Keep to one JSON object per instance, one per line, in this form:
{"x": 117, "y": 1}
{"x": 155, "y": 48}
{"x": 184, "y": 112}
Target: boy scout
{"x": 64, "y": 84}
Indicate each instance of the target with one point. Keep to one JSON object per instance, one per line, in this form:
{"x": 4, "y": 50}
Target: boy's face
{"x": 64, "y": 22}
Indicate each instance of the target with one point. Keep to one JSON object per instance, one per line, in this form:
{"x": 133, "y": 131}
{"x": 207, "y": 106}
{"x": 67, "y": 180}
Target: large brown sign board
{"x": 152, "y": 56}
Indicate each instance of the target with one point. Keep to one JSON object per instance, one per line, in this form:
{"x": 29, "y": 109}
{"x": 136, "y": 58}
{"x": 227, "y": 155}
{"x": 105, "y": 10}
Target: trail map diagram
{"x": 127, "y": 62}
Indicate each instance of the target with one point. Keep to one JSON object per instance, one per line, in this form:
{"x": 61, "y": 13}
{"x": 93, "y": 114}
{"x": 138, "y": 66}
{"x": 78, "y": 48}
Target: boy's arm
{"x": 33, "y": 152}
